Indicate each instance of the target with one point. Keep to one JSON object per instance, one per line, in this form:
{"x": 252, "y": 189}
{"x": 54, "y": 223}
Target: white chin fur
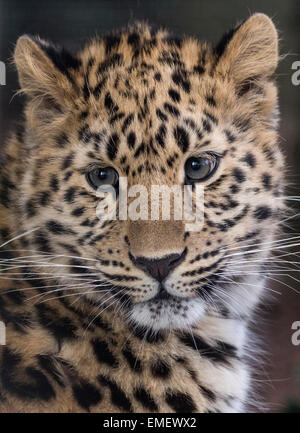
{"x": 168, "y": 316}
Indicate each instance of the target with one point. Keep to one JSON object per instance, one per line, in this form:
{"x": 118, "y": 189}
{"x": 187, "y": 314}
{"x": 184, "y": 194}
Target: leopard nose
{"x": 159, "y": 268}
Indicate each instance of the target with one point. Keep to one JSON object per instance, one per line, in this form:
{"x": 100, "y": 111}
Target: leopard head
{"x": 144, "y": 106}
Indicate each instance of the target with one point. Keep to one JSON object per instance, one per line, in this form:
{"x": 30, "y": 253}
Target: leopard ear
{"x": 248, "y": 53}
{"x": 44, "y": 70}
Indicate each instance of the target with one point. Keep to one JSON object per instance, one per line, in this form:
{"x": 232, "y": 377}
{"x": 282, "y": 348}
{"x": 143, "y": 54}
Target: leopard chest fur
{"x": 60, "y": 361}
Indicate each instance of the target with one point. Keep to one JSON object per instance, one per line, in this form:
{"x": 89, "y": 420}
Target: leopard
{"x": 139, "y": 315}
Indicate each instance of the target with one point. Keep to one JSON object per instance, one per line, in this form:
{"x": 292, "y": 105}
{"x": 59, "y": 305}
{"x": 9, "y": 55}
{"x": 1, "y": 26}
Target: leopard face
{"x": 142, "y": 104}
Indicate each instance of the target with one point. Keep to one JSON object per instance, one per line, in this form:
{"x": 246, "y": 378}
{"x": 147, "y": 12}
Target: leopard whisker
{"x": 72, "y": 294}
{"x": 261, "y": 250}
{"x": 101, "y": 312}
{"x": 19, "y": 236}
{"x": 65, "y": 288}
{"x": 256, "y": 244}
{"x": 44, "y": 287}
{"x": 272, "y": 278}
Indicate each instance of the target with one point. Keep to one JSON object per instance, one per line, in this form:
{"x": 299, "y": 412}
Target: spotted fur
{"x": 142, "y": 102}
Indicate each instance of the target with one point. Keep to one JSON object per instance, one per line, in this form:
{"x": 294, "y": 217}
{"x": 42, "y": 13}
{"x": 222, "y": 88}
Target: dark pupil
{"x": 102, "y": 174}
{"x": 195, "y": 165}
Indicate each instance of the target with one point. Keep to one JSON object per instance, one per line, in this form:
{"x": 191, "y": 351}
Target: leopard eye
{"x": 102, "y": 176}
{"x": 202, "y": 168}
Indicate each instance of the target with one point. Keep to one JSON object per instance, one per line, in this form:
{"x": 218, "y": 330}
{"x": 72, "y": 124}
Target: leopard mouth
{"x": 166, "y": 311}
{"x": 163, "y": 294}
{"x": 163, "y": 298}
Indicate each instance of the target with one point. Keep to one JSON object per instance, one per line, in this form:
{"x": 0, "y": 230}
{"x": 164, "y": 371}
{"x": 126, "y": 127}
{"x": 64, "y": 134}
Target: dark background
{"x": 71, "y": 22}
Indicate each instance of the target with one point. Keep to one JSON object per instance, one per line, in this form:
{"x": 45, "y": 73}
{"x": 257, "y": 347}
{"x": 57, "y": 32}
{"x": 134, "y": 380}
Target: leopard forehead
{"x": 142, "y": 98}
